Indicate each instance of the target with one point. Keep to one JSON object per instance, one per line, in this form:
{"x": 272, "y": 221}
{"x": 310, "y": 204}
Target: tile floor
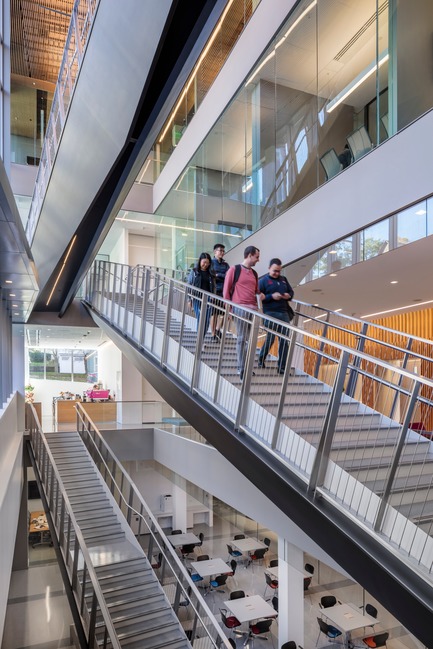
{"x": 38, "y": 615}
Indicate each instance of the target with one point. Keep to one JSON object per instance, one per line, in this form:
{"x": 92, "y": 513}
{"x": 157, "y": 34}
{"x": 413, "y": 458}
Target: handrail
{"x": 41, "y": 448}
{"x": 365, "y": 408}
{"x": 94, "y": 441}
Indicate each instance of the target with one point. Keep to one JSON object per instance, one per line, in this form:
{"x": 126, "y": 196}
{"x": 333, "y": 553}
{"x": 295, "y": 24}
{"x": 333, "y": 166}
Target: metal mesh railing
{"x": 343, "y": 420}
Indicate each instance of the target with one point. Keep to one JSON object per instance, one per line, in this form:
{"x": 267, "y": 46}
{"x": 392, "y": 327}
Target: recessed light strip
{"x": 359, "y": 80}
{"x": 61, "y": 270}
{"x": 178, "y": 227}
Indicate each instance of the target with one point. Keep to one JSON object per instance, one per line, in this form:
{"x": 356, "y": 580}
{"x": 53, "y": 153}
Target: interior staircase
{"x": 137, "y": 604}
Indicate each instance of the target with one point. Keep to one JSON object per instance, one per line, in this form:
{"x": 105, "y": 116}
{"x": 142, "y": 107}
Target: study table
{"x": 248, "y": 544}
{"x": 347, "y": 617}
{"x": 38, "y": 525}
{"x": 177, "y": 540}
{"x": 211, "y": 567}
{"x": 250, "y": 608}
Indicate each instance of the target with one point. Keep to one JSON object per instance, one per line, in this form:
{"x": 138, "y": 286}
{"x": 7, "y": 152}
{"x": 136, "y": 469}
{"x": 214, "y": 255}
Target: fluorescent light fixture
{"x": 12, "y": 295}
{"x": 281, "y": 41}
{"x": 62, "y": 269}
{"x": 357, "y": 81}
{"x": 420, "y": 212}
{"x": 394, "y": 281}
{"x": 177, "y": 227}
{"x": 332, "y": 274}
{"x": 332, "y": 252}
{"x": 8, "y": 281}
{"x": 400, "y": 308}
{"x": 337, "y": 310}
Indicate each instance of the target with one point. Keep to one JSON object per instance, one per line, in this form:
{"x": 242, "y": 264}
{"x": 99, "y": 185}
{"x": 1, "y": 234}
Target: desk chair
{"x": 267, "y": 542}
{"x": 290, "y": 645}
{"x": 176, "y": 532}
{"x": 372, "y": 611}
{"x": 258, "y": 555}
{"x": 215, "y": 584}
{"x": 185, "y": 550}
{"x": 195, "y": 577}
{"x": 327, "y": 601}
{"x": 270, "y": 583}
{"x": 237, "y": 594}
{"x": 235, "y": 554}
{"x": 378, "y": 640}
{"x": 359, "y": 143}
{"x": 273, "y": 563}
{"x": 259, "y": 628}
{"x": 331, "y": 163}
{"x": 309, "y": 568}
{"x": 327, "y": 629}
{"x": 230, "y": 621}
{"x": 203, "y": 557}
{"x": 238, "y": 536}
{"x": 200, "y": 544}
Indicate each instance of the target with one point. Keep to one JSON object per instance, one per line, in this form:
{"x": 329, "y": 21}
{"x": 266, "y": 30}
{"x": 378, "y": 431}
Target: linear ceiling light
{"x": 359, "y": 80}
{"x": 61, "y": 270}
{"x": 400, "y": 308}
{"x": 281, "y": 41}
{"x": 194, "y": 72}
{"x": 177, "y": 227}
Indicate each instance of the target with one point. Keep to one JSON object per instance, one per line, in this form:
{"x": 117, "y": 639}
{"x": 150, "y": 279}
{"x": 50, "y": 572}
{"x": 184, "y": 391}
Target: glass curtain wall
{"x": 337, "y": 80}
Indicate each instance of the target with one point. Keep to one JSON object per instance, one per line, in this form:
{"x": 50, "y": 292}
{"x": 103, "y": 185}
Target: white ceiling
{"x": 366, "y": 288}
{"x": 60, "y": 337}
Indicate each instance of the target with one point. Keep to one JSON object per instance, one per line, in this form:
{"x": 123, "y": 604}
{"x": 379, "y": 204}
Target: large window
{"x": 63, "y": 364}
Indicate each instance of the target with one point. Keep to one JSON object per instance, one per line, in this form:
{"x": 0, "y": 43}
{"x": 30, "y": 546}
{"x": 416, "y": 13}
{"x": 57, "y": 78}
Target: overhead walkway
{"x": 121, "y": 601}
{"x": 353, "y": 475}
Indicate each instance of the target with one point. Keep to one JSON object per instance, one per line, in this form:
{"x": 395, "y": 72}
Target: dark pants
{"x": 197, "y": 309}
{"x": 283, "y": 346}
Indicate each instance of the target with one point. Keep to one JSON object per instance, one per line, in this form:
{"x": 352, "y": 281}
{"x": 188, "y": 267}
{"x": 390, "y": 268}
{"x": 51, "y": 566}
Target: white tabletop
{"x": 347, "y": 617}
{"x": 250, "y": 608}
{"x": 211, "y": 567}
{"x": 272, "y": 571}
{"x": 248, "y": 545}
{"x": 183, "y": 539}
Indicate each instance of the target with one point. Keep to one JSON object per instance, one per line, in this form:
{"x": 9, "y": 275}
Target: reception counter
{"x": 65, "y": 413}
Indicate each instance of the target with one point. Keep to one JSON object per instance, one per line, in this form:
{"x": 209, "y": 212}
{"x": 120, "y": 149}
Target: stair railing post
{"x": 396, "y": 457}
{"x": 200, "y": 341}
{"x": 112, "y": 281}
{"x": 156, "y": 294}
{"x": 400, "y": 378}
{"x": 283, "y": 391}
{"x": 127, "y": 297}
{"x": 321, "y": 346}
{"x": 354, "y": 372}
{"x": 166, "y": 339}
{"x": 134, "y": 306}
{"x": 248, "y": 369}
{"x": 145, "y": 287}
{"x": 182, "y": 327}
{"x": 321, "y": 460}
{"x": 221, "y": 351}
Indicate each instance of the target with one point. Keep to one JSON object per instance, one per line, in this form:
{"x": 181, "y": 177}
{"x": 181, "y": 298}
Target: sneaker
{"x": 241, "y": 374}
{"x": 261, "y": 365}
{"x": 280, "y": 371}
{"x": 215, "y": 339}
{"x": 218, "y": 334}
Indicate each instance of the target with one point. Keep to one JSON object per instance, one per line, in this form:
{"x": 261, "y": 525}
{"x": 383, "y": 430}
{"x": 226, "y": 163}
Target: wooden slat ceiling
{"x": 38, "y": 35}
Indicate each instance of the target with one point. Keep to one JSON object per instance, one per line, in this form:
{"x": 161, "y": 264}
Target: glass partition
{"x": 334, "y": 83}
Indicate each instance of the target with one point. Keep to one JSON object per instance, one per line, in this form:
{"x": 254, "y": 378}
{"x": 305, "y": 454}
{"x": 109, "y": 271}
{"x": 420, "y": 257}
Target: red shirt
{"x": 246, "y": 287}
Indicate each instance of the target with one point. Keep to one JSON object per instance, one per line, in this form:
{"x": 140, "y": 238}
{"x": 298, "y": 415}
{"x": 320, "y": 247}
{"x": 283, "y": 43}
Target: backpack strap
{"x": 237, "y": 273}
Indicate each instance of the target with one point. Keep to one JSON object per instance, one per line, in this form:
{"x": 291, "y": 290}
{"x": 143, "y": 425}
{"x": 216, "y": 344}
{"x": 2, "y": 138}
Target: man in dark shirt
{"x": 278, "y": 293}
{"x": 220, "y": 268}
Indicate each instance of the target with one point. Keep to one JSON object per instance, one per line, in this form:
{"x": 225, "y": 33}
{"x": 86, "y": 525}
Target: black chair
{"x": 378, "y": 640}
{"x": 220, "y": 580}
{"x": 289, "y": 645}
{"x": 267, "y": 542}
{"x": 273, "y": 563}
{"x": 232, "y": 643}
{"x": 258, "y": 555}
{"x": 327, "y": 629}
{"x": 176, "y": 532}
{"x": 372, "y": 611}
{"x": 233, "y": 553}
{"x": 156, "y": 561}
{"x": 201, "y": 537}
{"x": 203, "y": 557}
{"x": 187, "y": 549}
{"x": 238, "y": 536}
{"x": 309, "y": 568}
{"x": 307, "y": 583}
{"x": 327, "y": 601}
{"x": 270, "y": 583}
{"x": 260, "y": 627}
{"x": 275, "y": 603}
{"x": 237, "y": 594}
{"x": 230, "y": 621}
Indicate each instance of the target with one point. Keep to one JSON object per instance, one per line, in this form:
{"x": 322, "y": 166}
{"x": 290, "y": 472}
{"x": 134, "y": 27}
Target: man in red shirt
{"x": 243, "y": 291}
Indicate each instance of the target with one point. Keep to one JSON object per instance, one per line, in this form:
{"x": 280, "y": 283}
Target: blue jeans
{"x": 283, "y": 346}
{"x": 197, "y": 310}
{"x": 242, "y": 333}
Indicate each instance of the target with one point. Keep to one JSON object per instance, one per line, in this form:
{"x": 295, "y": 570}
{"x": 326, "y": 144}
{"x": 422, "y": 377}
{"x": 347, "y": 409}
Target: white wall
{"x": 141, "y": 250}
{"x": 11, "y": 472}
{"x": 110, "y": 368}
{"x": 46, "y": 390}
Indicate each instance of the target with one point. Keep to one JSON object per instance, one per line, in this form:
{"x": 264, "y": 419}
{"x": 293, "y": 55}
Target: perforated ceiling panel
{"x": 38, "y": 34}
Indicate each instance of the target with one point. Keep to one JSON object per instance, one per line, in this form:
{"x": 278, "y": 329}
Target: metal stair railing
{"x": 74, "y": 550}
{"x": 171, "y": 570}
{"x": 362, "y": 457}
